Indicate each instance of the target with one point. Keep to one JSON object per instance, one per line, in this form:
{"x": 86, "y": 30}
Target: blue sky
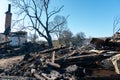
{"x": 93, "y": 17}
{"x": 3, "y": 9}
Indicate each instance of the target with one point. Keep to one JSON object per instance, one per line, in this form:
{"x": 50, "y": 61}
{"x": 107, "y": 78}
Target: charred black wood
{"x": 84, "y": 60}
{"x": 53, "y": 49}
{"x": 16, "y": 78}
{"x": 105, "y": 44}
{"x": 5, "y": 42}
{"x": 112, "y": 77}
{"x": 53, "y": 65}
{"x": 67, "y": 55}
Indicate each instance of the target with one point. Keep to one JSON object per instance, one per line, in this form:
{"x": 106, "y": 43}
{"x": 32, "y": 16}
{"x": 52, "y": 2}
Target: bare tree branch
{"x": 35, "y": 10}
{"x": 54, "y": 12}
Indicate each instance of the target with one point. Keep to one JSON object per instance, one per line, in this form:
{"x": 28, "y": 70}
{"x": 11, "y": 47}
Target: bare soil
{"x": 10, "y": 62}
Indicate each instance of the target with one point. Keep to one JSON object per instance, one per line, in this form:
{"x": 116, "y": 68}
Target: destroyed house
{"x": 16, "y": 38}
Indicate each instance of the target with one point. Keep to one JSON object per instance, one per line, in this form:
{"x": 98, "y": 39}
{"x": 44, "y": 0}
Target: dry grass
{"x": 9, "y": 62}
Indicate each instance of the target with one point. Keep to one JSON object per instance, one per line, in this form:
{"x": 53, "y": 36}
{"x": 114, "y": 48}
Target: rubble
{"x": 85, "y": 63}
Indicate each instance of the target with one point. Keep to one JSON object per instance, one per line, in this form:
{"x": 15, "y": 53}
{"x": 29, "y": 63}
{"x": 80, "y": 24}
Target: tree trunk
{"x": 49, "y": 40}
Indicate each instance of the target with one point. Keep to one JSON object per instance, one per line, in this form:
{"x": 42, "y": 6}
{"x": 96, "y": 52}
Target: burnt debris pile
{"x": 100, "y": 59}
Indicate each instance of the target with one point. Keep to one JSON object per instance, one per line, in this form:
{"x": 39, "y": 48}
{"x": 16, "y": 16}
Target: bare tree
{"x": 33, "y": 37}
{"x": 39, "y": 13}
{"x": 116, "y": 26}
{"x": 61, "y": 27}
{"x": 78, "y": 39}
{"x": 66, "y": 37}
{"x": 69, "y": 39}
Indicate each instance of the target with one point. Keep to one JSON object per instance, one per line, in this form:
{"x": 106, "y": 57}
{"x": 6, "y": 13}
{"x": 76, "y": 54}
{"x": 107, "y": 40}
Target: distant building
{"x": 16, "y": 38}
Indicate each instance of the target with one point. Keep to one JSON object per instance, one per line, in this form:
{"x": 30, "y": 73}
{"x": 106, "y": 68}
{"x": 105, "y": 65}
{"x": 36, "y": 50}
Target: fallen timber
{"x": 84, "y": 60}
{"x": 16, "y": 78}
{"x": 112, "y": 77}
{"x": 65, "y": 63}
{"x": 5, "y": 43}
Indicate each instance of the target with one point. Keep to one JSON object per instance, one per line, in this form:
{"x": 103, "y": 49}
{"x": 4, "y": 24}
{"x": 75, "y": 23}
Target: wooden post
{"x": 53, "y": 57}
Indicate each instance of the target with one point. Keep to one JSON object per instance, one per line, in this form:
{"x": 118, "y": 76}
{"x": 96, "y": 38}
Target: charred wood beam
{"x": 53, "y": 49}
{"x": 67, "y": 55}
{"x": 84, "y": 60}
{"x": 112, "y": 77}
{"x": 53, "y": 57}
{"x": 16, "y": 78}
{"x": 5, "y": 43}
{"x": 39, "y": 77}
{"x": 54, "y": 65}
{"x": 44, "y": 52}
{"x": 105, "y": 44}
